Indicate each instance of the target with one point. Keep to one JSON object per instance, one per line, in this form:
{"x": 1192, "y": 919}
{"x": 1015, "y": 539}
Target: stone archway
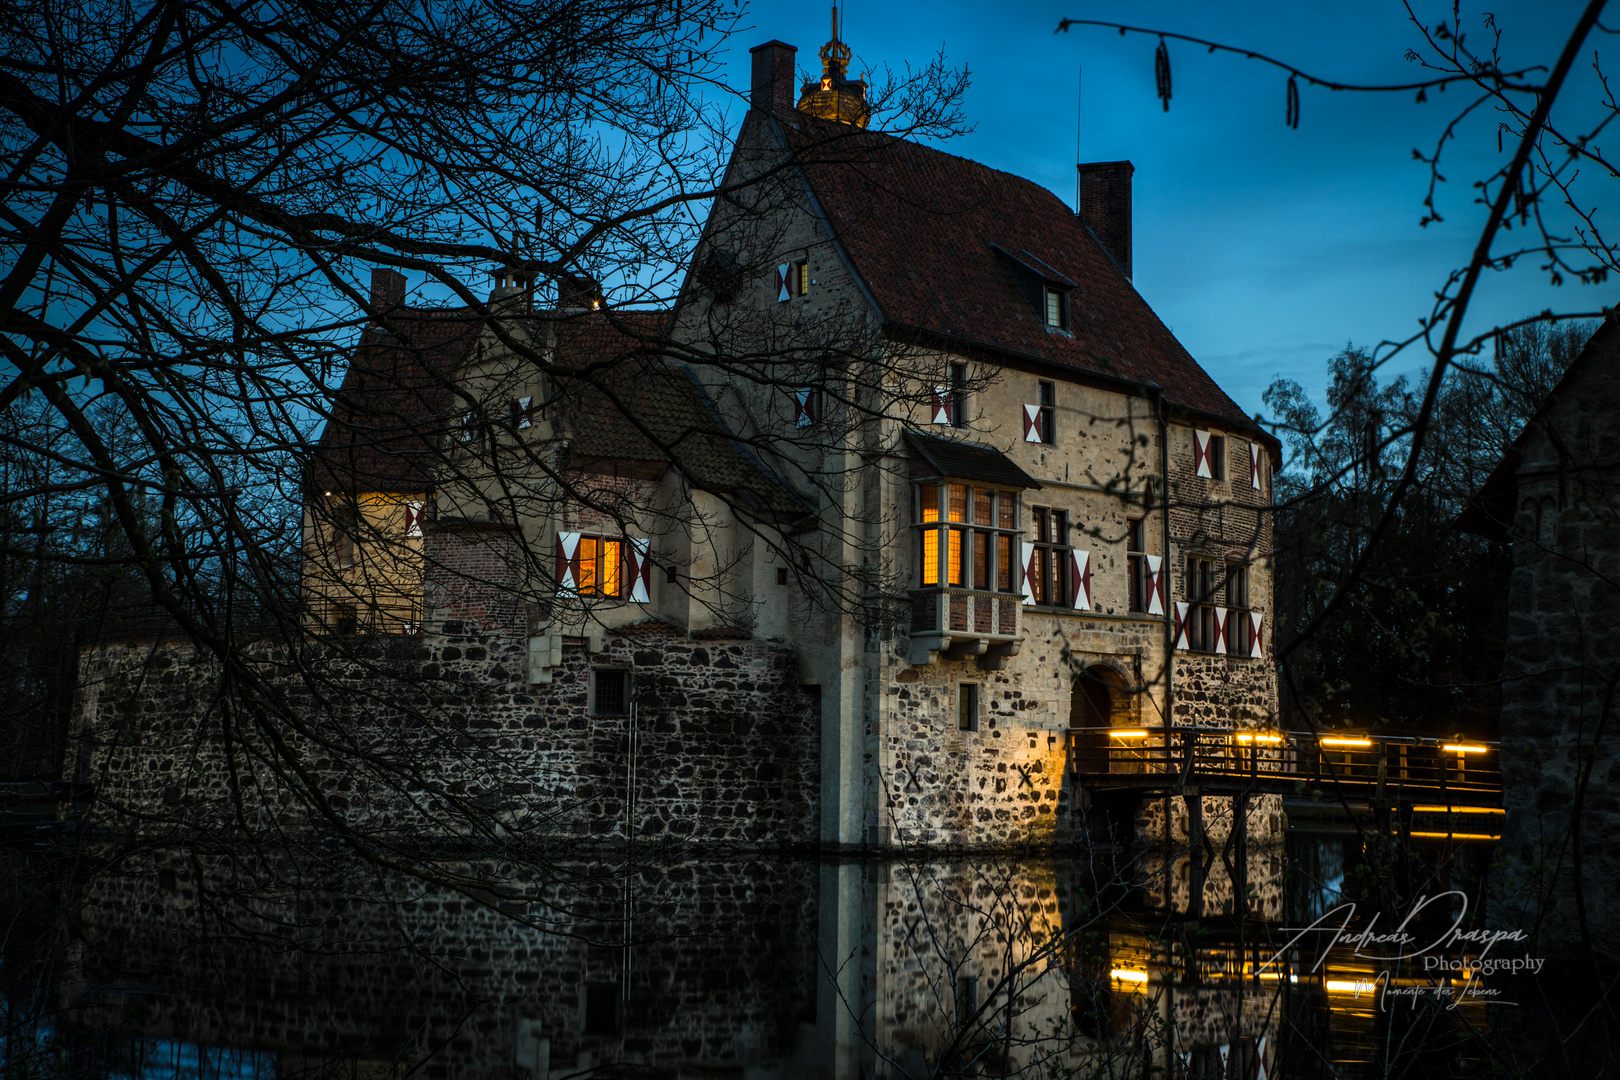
{"x": 1100, "y": 698}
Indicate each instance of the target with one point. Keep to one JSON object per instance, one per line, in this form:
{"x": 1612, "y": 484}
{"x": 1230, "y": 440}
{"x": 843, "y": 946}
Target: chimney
{"x": 772, "y": 88}
{"x": 1105, "y": 206}
{"x": 387, "y": 289}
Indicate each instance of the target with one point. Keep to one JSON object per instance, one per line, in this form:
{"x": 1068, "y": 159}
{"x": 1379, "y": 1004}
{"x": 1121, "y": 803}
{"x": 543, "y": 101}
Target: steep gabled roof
{"x": 1491, "y": 511}
{"x": 387, "y": 421}
{"x": 922, "y": 227}
{"x": 630, "y": 404}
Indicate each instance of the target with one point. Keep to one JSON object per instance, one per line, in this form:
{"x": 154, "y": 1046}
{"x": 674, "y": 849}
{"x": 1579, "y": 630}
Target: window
{"x": 601, "y": 566}
{"x": 965, "y": 536}
{"x": 1239, "y": 630}
{"x": 1050, "y": 565}
{"x": 801, "y": 277}
{"x": 967, "y": 706}
{"x": 781, "y": 575}
{"x": 610, "y": 692}
{"x": 1217, "y": 456}
{"x": 1048, "y": 403}
{"x": 1057, "y": 309}
{"x": 343, "y": 619}
{"x": 1136, "y": 563}
{"x": 601, "y": 1008}
{"x": 967, "y": 999}
{"x": 1201, "y": 592}
{"x": 958, "y": 400}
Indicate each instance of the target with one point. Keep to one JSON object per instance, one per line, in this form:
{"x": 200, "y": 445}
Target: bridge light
{"x": 1463, "y": 748}
{"x": 1346, "y": 742}
{"x": 1127, "y": 975}
{"x": 1249, "y": 736}
{"x": 1137, "y": 733}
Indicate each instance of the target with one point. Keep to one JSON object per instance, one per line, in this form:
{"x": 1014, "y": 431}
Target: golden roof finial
{"x": 835, "y": 96}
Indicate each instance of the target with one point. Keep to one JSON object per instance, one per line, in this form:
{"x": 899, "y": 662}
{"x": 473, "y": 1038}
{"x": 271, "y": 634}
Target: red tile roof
{"x": 388, "y": 418}
{"x": 919, "y": 225}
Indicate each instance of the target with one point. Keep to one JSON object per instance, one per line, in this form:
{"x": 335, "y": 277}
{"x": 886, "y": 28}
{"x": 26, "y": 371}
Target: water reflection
{"x": 1098, "y": 966}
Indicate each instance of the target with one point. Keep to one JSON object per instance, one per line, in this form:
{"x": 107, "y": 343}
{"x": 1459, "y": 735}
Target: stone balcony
{"x": 957, "y": 623}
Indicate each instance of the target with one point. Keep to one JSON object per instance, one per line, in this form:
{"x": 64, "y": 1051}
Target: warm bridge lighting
{"x": 1127, "y": 975}
{"x": 1458, "y": 810}
{"x": 1137, "y": 734}
{"x": 1248, "y": 737}
{"x": 1456, "y": 835}
{"x": 1461, "y": 748}
{"x": 1348, "y": 987}
{"x": 1346, "y": 742}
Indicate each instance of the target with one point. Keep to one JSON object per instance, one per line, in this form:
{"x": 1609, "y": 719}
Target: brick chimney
{"x": 578, "y": 292}
{"x": 1105, "y": 206}
{"x": 773, "y": 84}
{"x": 387, "y": 289}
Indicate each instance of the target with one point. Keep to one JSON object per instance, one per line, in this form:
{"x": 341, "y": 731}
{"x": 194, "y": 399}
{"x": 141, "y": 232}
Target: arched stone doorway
{"x": 1100, "y": 699}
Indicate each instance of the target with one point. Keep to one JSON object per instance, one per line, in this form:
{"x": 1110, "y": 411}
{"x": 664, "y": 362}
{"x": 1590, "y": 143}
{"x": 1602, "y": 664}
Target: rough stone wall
{"x": 1559, "y": 727}
{"x": 726, "y": 743}
{"x": 721, "y": 968}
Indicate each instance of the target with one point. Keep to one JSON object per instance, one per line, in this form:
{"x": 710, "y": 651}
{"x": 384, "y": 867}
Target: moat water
{"x": 1100, "y": 964}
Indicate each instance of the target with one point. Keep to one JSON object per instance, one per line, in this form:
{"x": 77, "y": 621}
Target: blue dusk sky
{"x": 1264, "y": 249}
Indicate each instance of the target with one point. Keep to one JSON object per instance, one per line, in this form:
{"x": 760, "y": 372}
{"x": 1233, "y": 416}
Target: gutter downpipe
{"x": 1161, "y": 413}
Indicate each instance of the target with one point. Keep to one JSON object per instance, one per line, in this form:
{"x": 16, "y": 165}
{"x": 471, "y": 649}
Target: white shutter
{"x": 1032, "y": 424}
{"x": 1254, "y": 466}
{"x": 1257, "y": 623}
{"x": 942, "y": 405}
{"x": 1201, "y": 459}
{"x": 567, "y": 564}
{"x": 638, "y": 563}
{"x": 783, "y": 293}
{"x": 525, "y": 412}
{"x": 1027, "y": 549}
{"x": 1220, "y": 629}
{"x": 1082, "y": 580}
{"x": 1155, "y": 584}
{"x": 804, "y": 408}
{"x": 413, "y": 518}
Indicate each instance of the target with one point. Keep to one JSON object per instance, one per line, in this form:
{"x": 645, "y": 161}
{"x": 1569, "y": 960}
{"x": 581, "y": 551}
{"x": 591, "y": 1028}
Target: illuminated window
{"x": 601, "y": 566}
{"x": 801, "y": 277}
{"x": 965, "y": 536}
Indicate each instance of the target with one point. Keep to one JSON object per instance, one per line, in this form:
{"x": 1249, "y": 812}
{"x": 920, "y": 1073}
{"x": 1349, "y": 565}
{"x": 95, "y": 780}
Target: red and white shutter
{"x": 1155, "y": 584}
{"x": 525, "y": 412}
{"x": 1026, "y": 570}
{"x": 1201, "y": 456}
{"x": 803, "y": 407}
{"x": 1033, "y": 424}
{"x": 1082, "y": 580}
{"x": 783, "y": 292}
{"x": 1257, "y": 623}
{"x": 568, "y": 563}
{"x": 638, "y": 569}
{"x": 1254, "y": 466}
{"x": 1178, "y": 625}
{"x": 1221, "y": 615}
{"x": 942, "y": 405}
{"x": 413, "y": 518}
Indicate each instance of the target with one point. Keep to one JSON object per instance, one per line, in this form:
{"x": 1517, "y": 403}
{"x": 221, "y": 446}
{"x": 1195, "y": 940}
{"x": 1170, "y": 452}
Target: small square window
{"x": 601, "y": 1008}
{"x": 611, "y": 695}
{"x": 669, "y": 575}
{"x": 967, "y": 706}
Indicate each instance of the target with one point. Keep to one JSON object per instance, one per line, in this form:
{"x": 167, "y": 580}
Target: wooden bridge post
{"x": 1240, "y": 822}
{"x": 1195, "y": 851}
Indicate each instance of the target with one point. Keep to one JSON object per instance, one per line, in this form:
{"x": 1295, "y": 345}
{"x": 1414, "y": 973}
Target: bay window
{"x": 965, "y": 536}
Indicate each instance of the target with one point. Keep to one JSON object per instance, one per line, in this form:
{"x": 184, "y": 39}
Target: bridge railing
{"x": 1376, "y": 765}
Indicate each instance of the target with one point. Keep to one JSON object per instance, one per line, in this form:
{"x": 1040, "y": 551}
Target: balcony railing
{"x": 965, "y": 622}
{"x": 1368, "y": 766}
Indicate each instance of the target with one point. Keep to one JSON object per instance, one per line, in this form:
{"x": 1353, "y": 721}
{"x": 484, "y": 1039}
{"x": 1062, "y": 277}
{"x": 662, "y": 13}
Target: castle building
{"x": 909, "y": 435}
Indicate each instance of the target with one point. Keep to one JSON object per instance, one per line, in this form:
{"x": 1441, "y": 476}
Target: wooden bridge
{"x": 1376, "y": 769}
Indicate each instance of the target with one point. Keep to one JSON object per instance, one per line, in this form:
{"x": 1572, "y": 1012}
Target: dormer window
{"x": 1057, "y": 309}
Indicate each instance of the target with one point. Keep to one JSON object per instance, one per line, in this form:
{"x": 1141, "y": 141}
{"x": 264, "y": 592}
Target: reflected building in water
{"x": 753, "y": 968}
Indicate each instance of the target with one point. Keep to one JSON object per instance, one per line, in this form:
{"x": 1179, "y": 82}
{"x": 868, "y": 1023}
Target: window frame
{"x": 1239, "y": 630}
{"x": 1202, "y": 588}
{"x": 800, "y": 285}
{"x": 1053, "y": 554}
{"x": 601, "y": 566}
{"x": 625, "y": 690}
{"x": 1046, "y": 401}
{"x": 958, "y": 395}
{"x": 1138, "y": 595}
{"x": 940, "y": 537}
{"x": 1218, "y": 471}
{"x": 969, "y": 700}
{"x": 1057, "y": 298}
